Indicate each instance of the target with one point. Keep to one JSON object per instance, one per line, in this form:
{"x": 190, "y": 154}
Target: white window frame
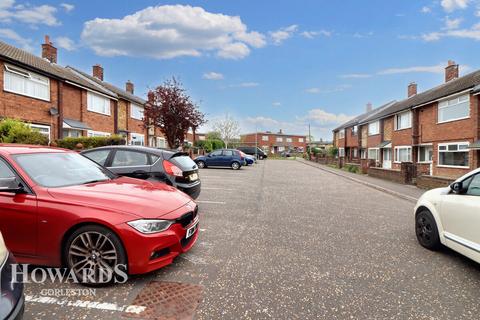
{"x": 370, "y": 133}
{"x": 449, "y": 144}
{"x": 289, "y": 139}
{"x": 377, "y": 152}
{"x": 341, "y": 134}
{"x": 92, "y": 133}
{"x": 137, "y": 135}
{"x": 264, "y": 138}
{"x": 397, "y": 153}
{"x": 135, "y": 111}
{"x": 300, "y": 140}
{"x": 164, "y": 142}
{"x": 106, "y": 107}
{"x": 355, "y": 152}
{"x": 354, "y": 130}
{"x": 363, "y": 153}
{"x": 42, "y": 126}
{"x": 28, "y": 75}
{"x": 424, "y": 146}
{"x": 444, "y": 104}
{"x": 397, "y": 117}
{"x": 279, "y": 139}
{"x": 341, "y": 152}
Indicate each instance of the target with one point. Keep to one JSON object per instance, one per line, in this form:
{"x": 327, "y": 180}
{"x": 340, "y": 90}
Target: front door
{"x": 18, "y": 217}
{"x": 387, "y": 158}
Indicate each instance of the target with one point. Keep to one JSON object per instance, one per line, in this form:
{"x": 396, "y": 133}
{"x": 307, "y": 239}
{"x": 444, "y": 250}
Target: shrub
{"x": 90, "y": 142}
{"x": 351, "y": 168}
{"x": 333, "y": 151}
{"x": 14, "y": 131}
{"x": 210, "y": 144}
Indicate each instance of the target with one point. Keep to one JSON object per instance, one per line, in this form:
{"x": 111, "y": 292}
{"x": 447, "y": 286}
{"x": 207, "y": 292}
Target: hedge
{"x": 14, "y": 131}
{"x": 90, "y": 142}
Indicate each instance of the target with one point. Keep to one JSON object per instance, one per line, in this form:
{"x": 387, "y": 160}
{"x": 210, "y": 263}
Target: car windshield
{"x": 61, "y": 169}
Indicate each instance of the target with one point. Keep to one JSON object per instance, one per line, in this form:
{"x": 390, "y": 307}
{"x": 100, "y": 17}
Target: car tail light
{"x": 172, "y": 169}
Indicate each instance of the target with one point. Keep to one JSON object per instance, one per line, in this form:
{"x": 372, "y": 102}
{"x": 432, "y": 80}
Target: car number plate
{"x": 191, "y": 230}
{"x": 194, "y": 177}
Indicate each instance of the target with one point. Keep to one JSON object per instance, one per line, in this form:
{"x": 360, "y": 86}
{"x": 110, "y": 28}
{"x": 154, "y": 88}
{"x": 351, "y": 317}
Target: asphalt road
{"x": 283, "y": 240}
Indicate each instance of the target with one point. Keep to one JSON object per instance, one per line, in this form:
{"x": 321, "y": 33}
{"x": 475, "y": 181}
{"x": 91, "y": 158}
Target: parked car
{"x": 172, "y": 167}
{"x": 450, "y": 216}
{"x": 59, "y": 208}
{"x": 248, "y": 159}
{"x": 254, "y": 151}
{"x": 285, "y": 154}
{"x": 12, "y": 301}
{"x": 221, "y": 158}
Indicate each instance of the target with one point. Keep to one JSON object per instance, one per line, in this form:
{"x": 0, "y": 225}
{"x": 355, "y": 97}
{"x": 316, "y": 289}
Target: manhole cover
{"x": 167, "y": 300}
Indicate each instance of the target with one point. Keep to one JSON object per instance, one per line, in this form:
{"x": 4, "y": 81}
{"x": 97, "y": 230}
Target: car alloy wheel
{"x": 235, "y": 166}
{"x": 93, "y": 254}
{"x": 426, "y": 230}
{"x": 201, "y": 164}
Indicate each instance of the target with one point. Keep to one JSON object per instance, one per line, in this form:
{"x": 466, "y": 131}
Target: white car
{"x": 451, "y": 216}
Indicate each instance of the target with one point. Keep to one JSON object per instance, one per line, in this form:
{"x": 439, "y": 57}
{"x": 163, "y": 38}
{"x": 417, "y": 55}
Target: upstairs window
{"x": 373, "y": 128}
{"x": 300, "y": 139}
{"x": 264, "y": 138}
{"x": 136, "y": 111}
{"x": 279, "y": 139}
{"x": 403, "y": 120}
{"x": 454, "y": 109}
{"x": 26, "y": 83}
{"x": 354, "y": 130}
{"x": 341, "y": 134}
{"x": 98, "y": 103}
{"x": 289, "y": 139}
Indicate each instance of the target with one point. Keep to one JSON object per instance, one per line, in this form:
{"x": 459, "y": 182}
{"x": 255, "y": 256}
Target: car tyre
{"x": 235, "y": 165}
{"x": 201, "y": 164}
{"x": 93, "y": 247}
{"x": 426, "y": 230}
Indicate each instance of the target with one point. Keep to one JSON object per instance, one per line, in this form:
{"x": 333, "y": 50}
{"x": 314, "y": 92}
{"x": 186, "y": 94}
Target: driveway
{"x": 282, "y": 240}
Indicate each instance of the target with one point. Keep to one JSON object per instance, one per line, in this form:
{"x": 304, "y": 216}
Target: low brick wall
{"x": 387, "y": 174}
{"x": 431, "y": 182}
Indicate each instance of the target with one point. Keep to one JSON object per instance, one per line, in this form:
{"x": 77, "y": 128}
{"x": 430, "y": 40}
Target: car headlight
{"x": 150, "y": 226}
{"x": 3, "y": 250}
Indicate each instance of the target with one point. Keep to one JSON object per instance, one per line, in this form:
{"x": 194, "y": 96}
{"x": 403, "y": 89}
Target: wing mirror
{"x": 11, "y": 185}
{"x": 457, "y": 187}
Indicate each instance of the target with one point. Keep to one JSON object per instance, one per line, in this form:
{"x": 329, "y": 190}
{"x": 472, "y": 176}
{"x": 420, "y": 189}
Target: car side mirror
{"x": 11, "y": 185}
{"x": 209, "y": 155}
{"x": 457, "y": 187}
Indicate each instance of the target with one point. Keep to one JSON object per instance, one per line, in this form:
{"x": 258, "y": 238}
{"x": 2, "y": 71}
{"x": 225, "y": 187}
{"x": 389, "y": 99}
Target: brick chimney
{"x": 451, "y": 71}
{"x": 97, "y": 71}
{"x": 49, "y": 52}
{"x": 412, "y": 89}
{"x": 129, "y": 87}
{"x": 369, "y": 107}
{"x": 280, "y": 131}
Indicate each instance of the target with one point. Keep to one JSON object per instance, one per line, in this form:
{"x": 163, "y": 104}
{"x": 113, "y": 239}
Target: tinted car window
{"x": 5, "y": 171}
{"x": 124, "y": 158}
{"x": 474, "y": 186}
{"x": 228, "y": 153}
{"x": 183, "y": 162}
{"x": 99, "y": 156}
{"x": 216, "y": 153}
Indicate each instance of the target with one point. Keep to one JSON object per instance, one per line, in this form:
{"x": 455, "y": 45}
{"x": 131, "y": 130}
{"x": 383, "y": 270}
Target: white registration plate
{"x": 191, "y": 230}
{"x": 193, "y": 177}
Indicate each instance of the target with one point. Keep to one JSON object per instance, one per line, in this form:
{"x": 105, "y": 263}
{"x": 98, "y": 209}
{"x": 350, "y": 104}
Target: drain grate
{"x": 167, "y": 300}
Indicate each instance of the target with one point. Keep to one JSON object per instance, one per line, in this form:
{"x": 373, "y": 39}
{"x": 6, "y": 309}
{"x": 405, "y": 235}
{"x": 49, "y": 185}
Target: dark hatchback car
{"x": 12, "y": 302}
{"x": 254, "y": 151}
{"x": 174, "y": 168}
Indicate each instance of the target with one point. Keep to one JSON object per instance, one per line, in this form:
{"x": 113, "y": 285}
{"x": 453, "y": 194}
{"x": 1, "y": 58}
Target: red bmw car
{"x": 58, "y": 208}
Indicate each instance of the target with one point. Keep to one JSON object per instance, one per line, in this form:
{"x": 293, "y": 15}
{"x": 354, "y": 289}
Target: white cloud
{"x": 360, "y": 35}
{"x": 355, "y": 76}
{"x": 426, "y": 9}
{"x": 67, "y": 6}
{"x": 469, "y": 33}
{"x": 213, "y": 76}
{"x": 452, "y": 5}
{"x": 9, "y": 34}
{"x": 245, "y": 85}
{"x": 339, "y": 88}
{"x": 439, "y": 68}
{"x": 170, "y": 31}
{"x": 452, "y": 23}
{"x": 321, "y": 117}
{"x": 279, "y": 36}
{"x": 32, "y": 15}
{"x": 276, "y": 104}
{"x": 313, "y": 34}
{"x": 65, "y": 43}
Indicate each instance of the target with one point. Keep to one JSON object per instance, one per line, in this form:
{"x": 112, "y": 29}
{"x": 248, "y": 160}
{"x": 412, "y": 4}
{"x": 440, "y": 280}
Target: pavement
{"x": 283, "y": 240}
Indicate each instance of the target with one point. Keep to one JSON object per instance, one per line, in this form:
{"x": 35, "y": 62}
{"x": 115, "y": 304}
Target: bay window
{"x": 454, "y": 109}
{"x": 403, "y": 120}
{"x": 20, "y": 81}
{"x": 453, "y": 154}
{"x": 403, "y": 154}
{"x": 98, "y": 103}
{"x": 373, "y": 128}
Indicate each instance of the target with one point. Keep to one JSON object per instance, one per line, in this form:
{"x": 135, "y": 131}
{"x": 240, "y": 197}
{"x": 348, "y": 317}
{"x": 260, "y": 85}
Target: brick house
{"x": 437, "y": 130}
{"x": 275, "y": 142}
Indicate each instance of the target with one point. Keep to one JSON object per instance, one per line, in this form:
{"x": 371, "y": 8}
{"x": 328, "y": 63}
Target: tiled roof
{"x": 364, "y": 117}
{"x": 31, "y": 61}
{"x": 468, "y": 81}
{"x": 120, "y": 92}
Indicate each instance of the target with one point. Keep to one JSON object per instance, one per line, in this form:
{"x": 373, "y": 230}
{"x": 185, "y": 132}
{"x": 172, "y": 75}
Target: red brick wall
{"x": 352, "y": 141}
{"x": 250, "y": 140}
{"x": 98, "y": 121}
{"x": 72, "y": 102}
{"x": 29, "y": 109}
{"x": 374, "y": 141}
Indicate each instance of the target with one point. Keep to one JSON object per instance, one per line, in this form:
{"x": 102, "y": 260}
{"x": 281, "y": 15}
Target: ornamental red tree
{"x": 171, "y": 110}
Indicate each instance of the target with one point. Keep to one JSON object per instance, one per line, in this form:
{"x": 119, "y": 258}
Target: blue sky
{"x": 271, "y": 64}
